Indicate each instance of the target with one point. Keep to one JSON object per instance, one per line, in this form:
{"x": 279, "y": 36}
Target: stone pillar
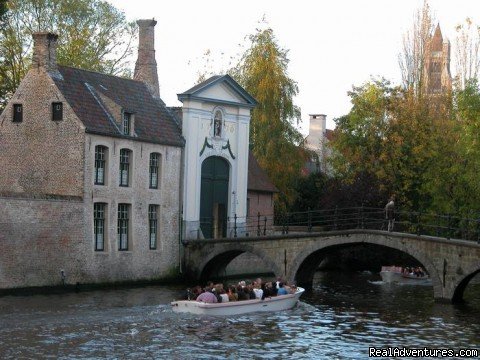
{"x": 45, "y": 51}
{"x": 146, "y": 66}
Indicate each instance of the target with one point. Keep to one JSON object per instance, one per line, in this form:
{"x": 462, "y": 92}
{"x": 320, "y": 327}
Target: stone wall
{"x": 38, "y": 239}
{"x": 40, "y": 156}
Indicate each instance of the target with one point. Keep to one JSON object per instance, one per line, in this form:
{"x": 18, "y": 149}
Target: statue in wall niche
{"x": 217, "y": 124}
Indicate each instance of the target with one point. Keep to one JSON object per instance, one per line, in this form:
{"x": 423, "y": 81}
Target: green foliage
{"x": 400, "y": 141}
{"x": 3, "y": 8}
{"x": 319, "y": 191}
{"x": 275, "y": 142}
{"x": 93, "y": 35}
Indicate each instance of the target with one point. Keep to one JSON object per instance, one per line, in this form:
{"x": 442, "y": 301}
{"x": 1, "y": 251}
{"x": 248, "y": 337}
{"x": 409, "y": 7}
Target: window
{"x": 127, "y": 123}
{"x": 17, "y": 113}
{"x": 100, "y": 164}
{"x": 99, "y": 226}
{"x": 217, "y": 123}
{"x": 152, "y": 225}
{"x": 154, "y": 166}
{"x": 123, "y": 226}
{"x": 125, "y": 156}
{"x": 57, "y": 111}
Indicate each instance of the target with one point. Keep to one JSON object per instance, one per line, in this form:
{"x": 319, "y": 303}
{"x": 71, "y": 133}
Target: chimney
{"x": 146, "y": 66}
{"x": 317, "y": 129}
{"x": 45, "y": 51}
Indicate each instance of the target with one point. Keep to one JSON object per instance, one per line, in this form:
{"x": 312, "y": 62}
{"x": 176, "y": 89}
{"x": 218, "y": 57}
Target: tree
{"x": 467, "y": 52}
{"x": 397, "y": 141}
{"x": 415, "y": 41}
{"x": 275, "y": 142}
{"x": 3, "y": 8}
{"x": 93, "y": 35}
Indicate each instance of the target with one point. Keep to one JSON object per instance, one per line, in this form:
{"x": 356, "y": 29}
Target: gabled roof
{"x": 199, "y": 91}
{"x": 258, "y": 179}
{"x": 84, "y": 91}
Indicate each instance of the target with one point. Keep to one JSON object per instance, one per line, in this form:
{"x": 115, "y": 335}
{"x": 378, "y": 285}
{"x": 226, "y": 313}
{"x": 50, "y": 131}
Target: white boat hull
{"x": 276, "y": 303}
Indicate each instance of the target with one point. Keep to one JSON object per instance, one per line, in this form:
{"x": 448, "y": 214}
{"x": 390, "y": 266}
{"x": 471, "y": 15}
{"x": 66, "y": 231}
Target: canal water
{"x": 340, "y": 318}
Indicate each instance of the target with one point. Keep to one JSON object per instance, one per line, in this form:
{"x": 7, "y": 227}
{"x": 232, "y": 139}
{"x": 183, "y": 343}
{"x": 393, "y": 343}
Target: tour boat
{"x": 414, "y": 277}
{"x": 275, "y": 303}
{"x": 391, "y": 274}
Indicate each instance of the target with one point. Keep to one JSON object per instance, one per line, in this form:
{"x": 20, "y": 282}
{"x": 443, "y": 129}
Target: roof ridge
{"x": 100, "y": 73}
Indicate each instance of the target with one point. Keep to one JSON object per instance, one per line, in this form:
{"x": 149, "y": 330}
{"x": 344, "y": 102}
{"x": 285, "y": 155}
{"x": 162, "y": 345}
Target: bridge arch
{"x": 303, "y": 266}
{"x": 217, "y": 260}
{"x": 460, "y": 286}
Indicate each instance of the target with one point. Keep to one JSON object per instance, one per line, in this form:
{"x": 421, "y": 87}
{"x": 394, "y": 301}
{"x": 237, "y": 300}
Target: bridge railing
{"x": 440, "y": 225}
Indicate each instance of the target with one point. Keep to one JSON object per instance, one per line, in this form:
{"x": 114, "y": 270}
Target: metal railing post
{"x": 335, "y": 218}
{"x": 265, "y": 226}
{"x": 309, "y": 220}
{"x": 235, "y": 225}
{"x": 449, "y": 229}
{"x": 286, "y": 229}
{"x": 362, "y": 217}
{"x": 418, "y": 222}
{"x": 258, "y": 224}
{"x": 478, "y": 231}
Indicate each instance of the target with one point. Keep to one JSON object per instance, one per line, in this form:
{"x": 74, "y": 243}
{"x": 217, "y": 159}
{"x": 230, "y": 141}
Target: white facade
{"x": 205, "y": 138}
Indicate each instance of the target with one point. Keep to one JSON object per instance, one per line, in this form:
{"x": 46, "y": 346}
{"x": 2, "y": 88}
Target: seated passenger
{"x": 257, "y": 289}
{"x": 242, "y": 294}
{"x": 224, "y": 296}
{"x": 282, "y": 290}
{"x": 269, "y": 290}
{"x": 232, "y": 293}
{"x": 249, "y": 290}
{"x": 207, "y": 296}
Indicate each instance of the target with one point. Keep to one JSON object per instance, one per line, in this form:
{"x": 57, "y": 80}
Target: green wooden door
{"x": 214, "y": 197}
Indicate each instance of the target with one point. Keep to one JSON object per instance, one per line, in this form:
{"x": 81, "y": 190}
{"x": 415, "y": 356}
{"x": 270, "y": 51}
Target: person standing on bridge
{"x": 390, "y": 213}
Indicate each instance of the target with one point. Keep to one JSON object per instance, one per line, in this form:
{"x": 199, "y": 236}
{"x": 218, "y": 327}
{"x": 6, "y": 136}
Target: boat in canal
{"x": 271, "y": 304}
{"x": 392, "y": 274}
{"x": 414, "y": 277}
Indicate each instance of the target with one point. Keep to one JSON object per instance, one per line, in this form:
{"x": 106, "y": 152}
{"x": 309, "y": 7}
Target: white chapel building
{"x": 215, "y": 125}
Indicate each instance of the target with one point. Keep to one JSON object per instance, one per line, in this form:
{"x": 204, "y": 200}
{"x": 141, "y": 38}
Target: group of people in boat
{"x": 414, "y": 271}
{"x": 244, "y": 290}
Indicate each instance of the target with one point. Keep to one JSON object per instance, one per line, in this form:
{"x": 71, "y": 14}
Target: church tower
{"x": 437, "y": 78}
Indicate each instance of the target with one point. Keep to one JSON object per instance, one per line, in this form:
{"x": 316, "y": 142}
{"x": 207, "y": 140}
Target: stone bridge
{"x": 451, "y": 264}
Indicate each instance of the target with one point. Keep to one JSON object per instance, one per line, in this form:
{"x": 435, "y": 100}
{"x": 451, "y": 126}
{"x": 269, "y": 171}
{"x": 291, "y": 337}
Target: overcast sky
{"x": 333, "y": 44}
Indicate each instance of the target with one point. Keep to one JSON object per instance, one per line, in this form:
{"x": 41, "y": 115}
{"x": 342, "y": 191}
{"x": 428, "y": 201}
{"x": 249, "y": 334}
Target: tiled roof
{"x": 84, "y": 89}
{"x": 257, "y": 177}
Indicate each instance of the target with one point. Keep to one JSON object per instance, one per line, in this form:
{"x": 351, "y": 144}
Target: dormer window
{"x": 217, "y": 123}
{"x": 17, "y": 113}
{"x": 127, "y": 123}
{"x": 57, "y": 111}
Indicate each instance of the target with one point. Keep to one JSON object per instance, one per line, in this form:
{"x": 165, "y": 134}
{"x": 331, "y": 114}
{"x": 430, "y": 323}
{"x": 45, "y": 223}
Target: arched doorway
{"x": 214, "y": 197}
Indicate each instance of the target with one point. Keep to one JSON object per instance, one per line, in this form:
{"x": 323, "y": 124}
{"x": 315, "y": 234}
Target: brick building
{"x": 90, "y": 174}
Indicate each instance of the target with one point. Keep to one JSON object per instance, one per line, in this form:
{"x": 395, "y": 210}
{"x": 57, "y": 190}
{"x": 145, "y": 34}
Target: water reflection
{"x": 339, "y": 318}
